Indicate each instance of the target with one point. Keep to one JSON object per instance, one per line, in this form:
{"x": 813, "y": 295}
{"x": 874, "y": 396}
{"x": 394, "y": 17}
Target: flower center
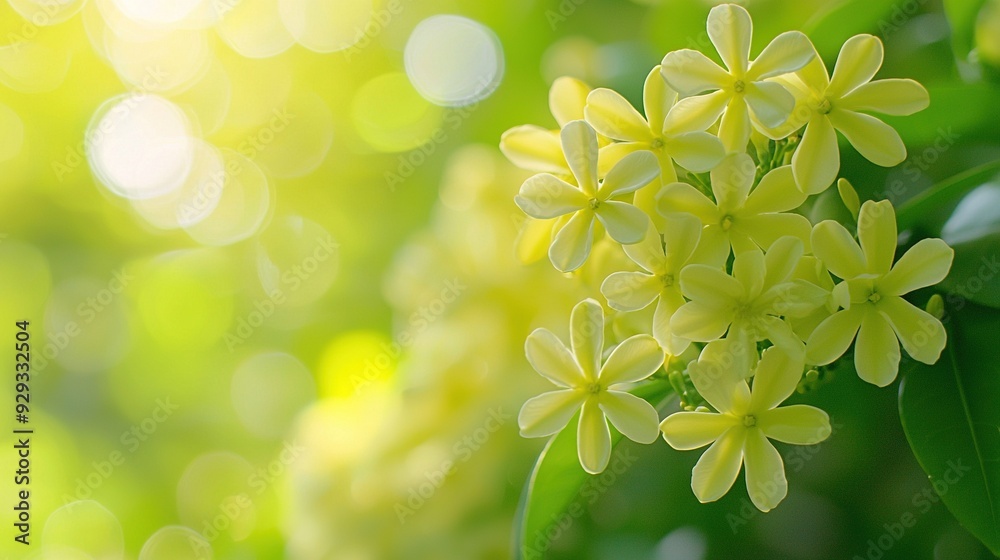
{"x": 739, "y": 86}
{"x": 824, "y": 106}
{"x": 874, "y": 297}
{"x": 594, "y": 388}
{"x": 749, "y": 420}
{"x": 667, "y": 280}
{"x": 657, "y": 144}
{"x": 726, "y": 222}
{"x": 595, "y": 204}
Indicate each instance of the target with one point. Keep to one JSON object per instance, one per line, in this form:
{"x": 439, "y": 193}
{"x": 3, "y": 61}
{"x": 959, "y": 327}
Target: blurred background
{"x": 267, "y": 249}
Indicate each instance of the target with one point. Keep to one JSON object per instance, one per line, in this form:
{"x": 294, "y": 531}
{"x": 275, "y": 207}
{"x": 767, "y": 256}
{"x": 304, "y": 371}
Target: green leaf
{"x": 962, "y": 18}
{"x": 917, "y": 208}
{"x": 955, "y": 116}
{"x": 557, "y": 479}
{"x": 951, "y": 417}
{"x": 973, "y": 230}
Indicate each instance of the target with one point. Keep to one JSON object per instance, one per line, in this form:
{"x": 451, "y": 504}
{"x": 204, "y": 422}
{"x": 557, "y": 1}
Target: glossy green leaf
{"x": 556, "y": 482}
{"x": 974, "y": 232}
{"x": 951, "y": 417}
{"x": 913, "y": 212}
{"x": 962, "y": 19}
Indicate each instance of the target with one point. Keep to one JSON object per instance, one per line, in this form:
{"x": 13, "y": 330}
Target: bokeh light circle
{"x": 453, "y": 61}
{"x": 176, "y": 543}
{"x": 214, "y": 496}
{"x": 253, "y": 28}
{"x": 86, "y": 322}
{"x": 140, "y": 146}
{"x": 195, "y": 199}
{"x": 326, "y": 25}
{"x": 159, "y": 13}
{"x": 47, "y": 12}
{"x": 243, "y": 207}
{"x": 297, "y": 261}
{"x": 268, "y": 392}
{"x": 391, "y": 116}
{"x": 88, "y": 527}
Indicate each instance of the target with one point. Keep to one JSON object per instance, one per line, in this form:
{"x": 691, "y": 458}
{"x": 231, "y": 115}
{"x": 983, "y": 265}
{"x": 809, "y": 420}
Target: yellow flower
{"x": 871, "y": 294}
{"x": 739, "y": 218}
{"x": 739, "y": 431}
{"x": 826, "y": 105}
{"x": 587, "y": 386}
{"x": 547, "y": 196}
{"x": 538, "y": 149}
{"x": 742, "y": 88}
{"x": 749, "y": 304}
{"x": 632, "y": 291}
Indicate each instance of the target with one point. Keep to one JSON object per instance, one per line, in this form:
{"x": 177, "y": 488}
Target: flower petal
{"x": 877, "y": 234}
{"x": 835, "y": 246}
{"x": 778, "y": 373}
{"x": 859, "y": 60}
{"x": 766, "y": 229}
{"x": 681, "y": 233}
{"x": 731, "y": 181}
{"x": 534, "y": 148}
{"x": 696, "y": 113}
{"x": 716, "y": 471}
{"x": 613, "y": 116}
{"x": 878, "y": 142}
{"x": 781, "y": 259}
{"x": 923, "y": 336}
{"x": 610, "y": 155}
{"x": 682, "y": 197}
{"x": 666, "y": 306}
{"x": 770, "y": 102}
{"x": 579, "y": 143}
{"x": 713, "y": 247}
{"x": 546, "y": 196}
{"x": 550, "y": 357}
{"x": 833, "y": 336}
{"x": 891, "y": 97}
{"x": 657, "y": 98}
{"x": 735, "y": 128}
{"x": 699, "y": 322}
{"x": 586, "y": 333}
{"x": 625, "y": 223}
{"x": 593, "y": 439}
{"x": 548, "y": 413}
{"x": 635, "y": 359}
{"x": 711, "y": 286}
{"x": 924, "y": 264}
{"x": 798, "y": 424}
{"x": 765, "y": 476}
{"x": 571, "y": 245}
{"x": 630, "y": 291}
{"x": 748, "y": 270}
{"x": 630, "y": 174}
{"x": 635, "y": 418}
{"x": 720, "y": 375}
{"x": 730, "y": 30}
{"x": 695, "y": 151}
{"x": 649, "y": 253}
{"x": 786, "y": 53}
{"x": 690, "y": 72}
{"x": 816, "y": 162}
{"x": 685, "y": 431}
{"x": 776, "y": 192}
{"x": 567, "y": 98}
{"x": 876, "y": 354}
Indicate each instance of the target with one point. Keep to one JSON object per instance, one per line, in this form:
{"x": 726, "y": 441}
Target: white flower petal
{"x": 786, "y": 53}
{"x": 735, "y": 128}
{"x": 649, "y": 253}
{"x": 923, "y": 336}
{"x": 711, "y": 286}
{"x": 579, "y": 143}
{"x": 696, "y": 113}
{"x": 695, "y": 151}
{"x": 891, "y": 97}
{"x": 548, "y": 413}
{"x": 635, "y": 359}
{"x": 689, "y": 72}
{"x": 731, "y": 181}
{"x": 567, "y": 98}
{"x": 878, "y": 142}
{"x": 924, "y": 264}
{"x": 534, "y": 148}
{"x": 657, "y": 98}
{"x": 765, "y": 476}
{"x": 699, "y": 322}
{"x": 550, "y": 358}
{"x": 730, "y": 30}
{"x": 571, "y": 245}
{"x": 749, "y": 270}
{"x": 876, "y": 353}
{"x": 716, "y": 471}
{"x": 816, "y": 162}
{"x": 668, "y": 303}
{"x": 593, "y": 439}
{"x": 635, "y": 418}
{"x": 720, "y": 375}
{"x": 586, "y": 332}
{"x": 630, "y": 174}
{"x": 682, "y": 197}
{"x": 546, "y": 196}
{"x": 630, "y": 291}
{"x": 770, "y": 102}
{"x": 613, "y": 116}
{"x": 681, "y": 233}
{"x": 625, "y": 223}
{"x": 859, "y": 60}
{"x": 690, "y": 430}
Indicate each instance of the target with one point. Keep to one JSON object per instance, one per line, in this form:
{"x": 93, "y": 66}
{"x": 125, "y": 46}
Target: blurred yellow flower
{"x": 739, "y": 218}
{"x": 589, "y": 387}
{"x": 631, "y": 291}
{"x": 547, "y": 196}
{"x": 827, "y": 104}
{"x": 739, "y": 431}
{"x": 538, "y": 149}
{"x": 874, "y": 310}
{"x": 742, "y": 88}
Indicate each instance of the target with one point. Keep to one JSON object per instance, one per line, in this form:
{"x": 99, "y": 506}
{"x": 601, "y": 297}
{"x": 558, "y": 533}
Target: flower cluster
{"x": 726, "y": 288}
